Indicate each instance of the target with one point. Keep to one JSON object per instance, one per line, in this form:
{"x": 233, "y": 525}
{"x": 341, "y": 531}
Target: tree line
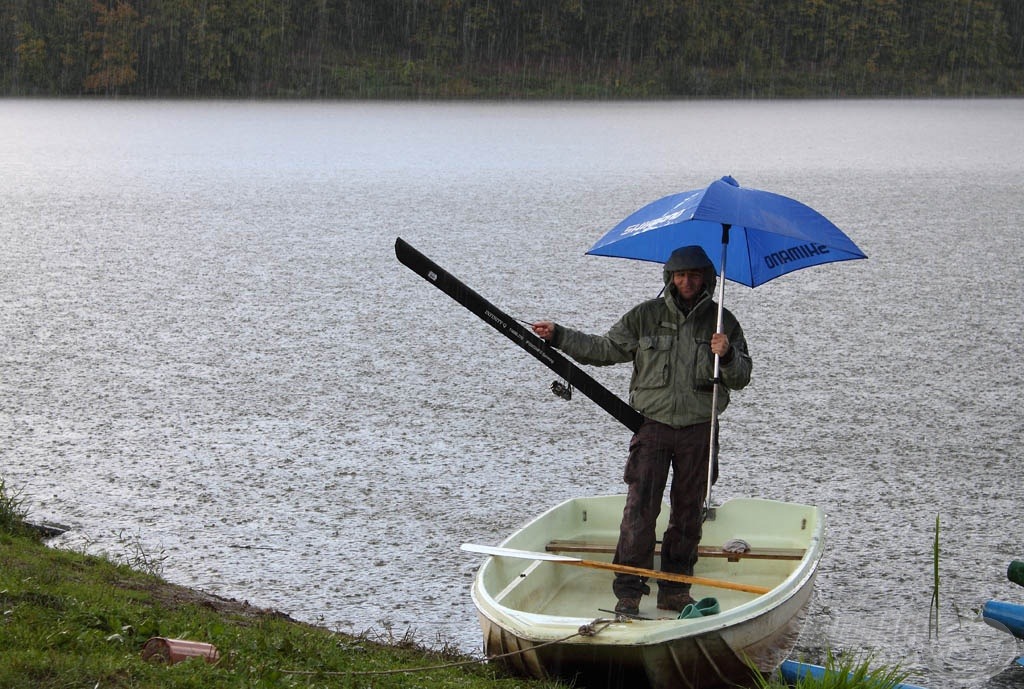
{"x": 511, "y": 48}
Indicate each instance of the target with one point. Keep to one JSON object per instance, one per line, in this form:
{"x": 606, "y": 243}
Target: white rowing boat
{"x": 545, "y": 619}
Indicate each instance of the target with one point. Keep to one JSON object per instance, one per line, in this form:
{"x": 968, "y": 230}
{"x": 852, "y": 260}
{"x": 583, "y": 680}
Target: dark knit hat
{"x": 688, "y": 258}
{"x": 691, "y": 258}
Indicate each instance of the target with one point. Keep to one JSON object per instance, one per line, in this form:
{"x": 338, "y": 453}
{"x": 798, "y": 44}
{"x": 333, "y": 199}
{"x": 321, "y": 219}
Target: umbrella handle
{"x": 719, "y": 327}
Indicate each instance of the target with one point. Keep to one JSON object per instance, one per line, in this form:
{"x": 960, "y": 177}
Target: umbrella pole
{"x": 709, "y": 513}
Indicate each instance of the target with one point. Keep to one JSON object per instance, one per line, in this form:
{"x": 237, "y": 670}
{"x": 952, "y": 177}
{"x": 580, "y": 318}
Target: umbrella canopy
{"x": 764, "y": 235}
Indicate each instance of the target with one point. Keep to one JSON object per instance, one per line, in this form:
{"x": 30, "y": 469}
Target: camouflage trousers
{"x": 653, "y": 450}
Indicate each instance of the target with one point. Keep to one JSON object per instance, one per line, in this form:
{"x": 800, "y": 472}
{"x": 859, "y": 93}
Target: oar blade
{"x": 496, "y": 551}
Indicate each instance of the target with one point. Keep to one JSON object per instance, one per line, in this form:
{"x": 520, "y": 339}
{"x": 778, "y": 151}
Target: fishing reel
{"x": 562, "y": 390}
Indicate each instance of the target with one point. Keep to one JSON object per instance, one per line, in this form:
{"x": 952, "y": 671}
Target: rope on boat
{"x": 592, "y": 628}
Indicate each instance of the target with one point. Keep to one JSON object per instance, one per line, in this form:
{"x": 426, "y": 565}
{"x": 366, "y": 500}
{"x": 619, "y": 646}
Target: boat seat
{"x": 573, "y": 546}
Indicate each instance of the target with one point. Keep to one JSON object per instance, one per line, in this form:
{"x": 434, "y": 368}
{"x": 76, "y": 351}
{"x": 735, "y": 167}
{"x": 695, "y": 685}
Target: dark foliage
{"x": 514, "y": 48}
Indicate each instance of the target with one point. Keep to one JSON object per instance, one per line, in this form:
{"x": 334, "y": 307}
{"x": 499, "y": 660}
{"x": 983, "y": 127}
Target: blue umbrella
{"x": 759, "y": 235}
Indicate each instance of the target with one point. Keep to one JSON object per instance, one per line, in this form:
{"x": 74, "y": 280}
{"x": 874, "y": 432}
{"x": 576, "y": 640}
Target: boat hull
{"x": 535, "y": 620}
{"x": 704, "y": 661}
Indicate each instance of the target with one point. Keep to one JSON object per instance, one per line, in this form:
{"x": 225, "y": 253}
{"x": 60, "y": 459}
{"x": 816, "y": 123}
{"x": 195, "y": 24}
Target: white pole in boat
{"x": 709, "y": 513}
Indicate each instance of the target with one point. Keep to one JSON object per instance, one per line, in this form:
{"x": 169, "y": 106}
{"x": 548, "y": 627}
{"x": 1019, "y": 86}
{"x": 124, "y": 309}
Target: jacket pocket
{"x": 653, "y": 356}
{"x": 703, "y": 366}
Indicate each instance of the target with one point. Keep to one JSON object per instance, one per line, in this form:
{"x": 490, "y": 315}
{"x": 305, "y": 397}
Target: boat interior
{"x": 776, "y": 535}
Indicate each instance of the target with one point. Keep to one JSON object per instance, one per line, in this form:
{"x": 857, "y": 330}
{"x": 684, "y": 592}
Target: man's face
{"x": 689, "y": 283}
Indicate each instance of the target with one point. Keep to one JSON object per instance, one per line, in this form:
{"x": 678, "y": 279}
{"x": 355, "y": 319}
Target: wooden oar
{"x": 625, "y": 569}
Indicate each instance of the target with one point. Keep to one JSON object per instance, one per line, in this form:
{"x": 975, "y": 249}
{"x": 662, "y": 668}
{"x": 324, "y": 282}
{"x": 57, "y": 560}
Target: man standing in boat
{"x": 671, "y": 341}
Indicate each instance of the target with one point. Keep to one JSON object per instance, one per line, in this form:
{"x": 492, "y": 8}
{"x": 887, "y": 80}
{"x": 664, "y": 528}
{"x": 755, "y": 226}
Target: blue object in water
{"x": 1008, "y": 617}
{"x": 792, "y": 671}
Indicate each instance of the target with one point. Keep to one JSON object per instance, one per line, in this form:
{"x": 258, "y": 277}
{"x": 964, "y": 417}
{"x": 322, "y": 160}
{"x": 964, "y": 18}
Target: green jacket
{"x": 673, "y": 366}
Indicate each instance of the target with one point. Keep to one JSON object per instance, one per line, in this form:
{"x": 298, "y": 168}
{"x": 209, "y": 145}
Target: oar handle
{"x": 670, "y": 576}
{"x": 500, "y": 551}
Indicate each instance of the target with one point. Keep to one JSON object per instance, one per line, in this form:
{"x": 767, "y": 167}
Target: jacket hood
{"x": 690, "y": 258}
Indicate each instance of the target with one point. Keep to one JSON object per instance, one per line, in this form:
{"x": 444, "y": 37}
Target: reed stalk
{"x": 933, "y": 612}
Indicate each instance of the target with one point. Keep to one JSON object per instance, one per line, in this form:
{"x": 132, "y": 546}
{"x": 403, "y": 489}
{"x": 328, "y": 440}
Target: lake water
{"x": 208, "y": 350}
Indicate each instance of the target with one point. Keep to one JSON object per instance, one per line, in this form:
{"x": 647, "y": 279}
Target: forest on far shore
{"x": 587, "y": 49}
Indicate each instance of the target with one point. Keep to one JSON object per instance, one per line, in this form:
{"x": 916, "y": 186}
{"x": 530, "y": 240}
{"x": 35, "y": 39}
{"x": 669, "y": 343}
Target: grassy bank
{"x": 73, "y": 620}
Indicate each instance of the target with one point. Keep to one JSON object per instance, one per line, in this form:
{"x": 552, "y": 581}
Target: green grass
{"x": 70, "y": 620}
{"x": 845, "y": 672}
{"x": 12, "y": 513}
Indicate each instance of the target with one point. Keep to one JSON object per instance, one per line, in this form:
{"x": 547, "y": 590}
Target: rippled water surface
{"x": 208, "y": 348}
